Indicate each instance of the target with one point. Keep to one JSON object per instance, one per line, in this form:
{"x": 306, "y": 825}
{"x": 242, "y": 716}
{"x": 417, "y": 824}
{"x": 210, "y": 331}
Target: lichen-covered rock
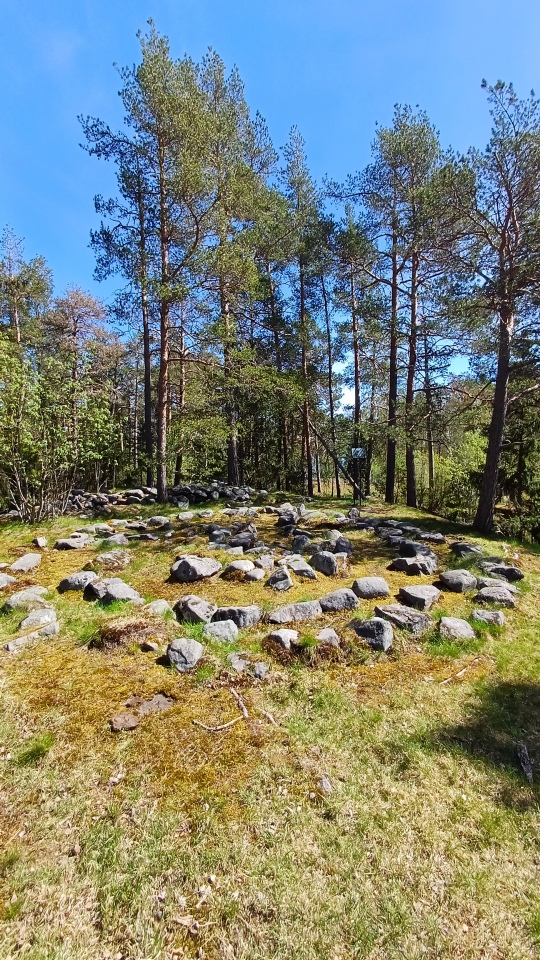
{"x": 224, "y": 630}
{"x": 453, "y": 628}
{"x": 302, "y": 569}
{"x": 414, "y": 566}
{"x": 25, "y": 564}
{"x": 496, "y": 595}
{"x": 158, "y": 608}
{"x": 280, "y": 579}
{"x": 377, "y": 632}
{"x": 328, "y": 636}
{"x": 325, "y": 562}
{"x": 77, "y": 581}
{"x": 192, "y": 568}
{"x": 237, "y": 569}
{"x": 111, "y": 589}
{"x": 422, "y": 598}
{"x": 242, "y": 616}
{"x": 29, "y": 599}
{"x": 458, "y": 581}
{"x": 494, "y": 617}
{"x": 6, "y": 580}
{"x": 284, "y": 637}
{"x": 292, "y": 612}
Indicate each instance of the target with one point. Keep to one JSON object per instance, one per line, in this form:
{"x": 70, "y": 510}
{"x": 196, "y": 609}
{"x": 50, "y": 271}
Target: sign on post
{"x": 358, "y": 453}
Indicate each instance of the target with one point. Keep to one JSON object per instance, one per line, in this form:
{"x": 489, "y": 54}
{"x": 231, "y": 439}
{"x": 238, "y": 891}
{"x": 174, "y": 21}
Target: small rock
{"x": 325, "y": 562}
{"x": 302, "y": 569}
{"x": 414, "y": 566}
{"x": 376, "y": 631}
{"x": 260, "y": 670}
{"x": 458, "y": 580}
{"x": 77, "y": 581}
{"x": 494, "y": 617}
{"x": 280, "y": 580}
{"x": 237, "y": 569}
{"x": 112, "y": 560}
{"x": 38, "y": 618}
{"x": 325, "y": 786}
{"x": 265, "y": 561}
{"x": 291, "y": 612}
{"x": 329, "y": 636}
{"x": 254, "y": 575}
{"x": 158, "y": 607}
{"x": 124, "y": 721}
{"x": 110, "y": 589}
{"x": 242, "y": 616}
{"x": 193, "y": 609}
{"x": 149, "y": 646}
{"x": 453, "y": 628}
{"x": 40, "y": 542}
{"x": 224, "y": 630}
{"x": 284, "y": 637}
{"x": 184, "y": 654}
{"x": 29, "y": 599}
{"x": 496, "y": 595}
{"x": 189, "y": 569}
{"x": 463, "y": 549}
{"x": 237, "y": 662}
{"x": 6, "y": 580}
{"x": 505, "y": 571}
{"x": 71, "y": 543}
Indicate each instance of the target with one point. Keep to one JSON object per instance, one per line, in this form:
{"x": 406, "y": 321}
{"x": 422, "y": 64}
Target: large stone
{"x": 77, "y": 581}
{"x": 293, "y": 612}
{"x": 6, "y": 580}
{"x": 463, "y": 549}
{"x": 301, "y": 542}
{"x": 38, "y": 618}
{"x": 405, "y": 618}
{"x": 193, "y": 609}
{"x": 253, "y": 575}
{"x": 328, "y": 636}
{"x": 25, "y": 564}
{"x": 118, "y": 540}
{"x": 496, "y": 595}
{"x": 302, "y": 569}
{"x": 158, "y": 521}
{"x": 414, "y": 566}
{"x": 458, "y": 581}
{"x": 371, "y": 588}
{"x": 280, "y": 580}
{"x": 30, "y": 599}
{"x": 377, "y": 632}
{"x": 242, "y": 616}
{"x": 338, "y": 600}
{"x": 110, "y": 589}
{"x": 284, "y": 637}
{"x": 325, "y": 562}
{"x": 224, "y": 630}
{"x": 265, "y": 561}
{"x": 112, "y": 560}
{"x": 422, "y": 598}
{"x": 453, "y": 628}
{"x": 71, "y": 543}
{"x": 189, "y": 569}
{"x": 40, "y": 542}
{"x": 343, "y": 545}
{"x": 432, "y": 537}
{"x": 494, "y": 617}
{"x": 494, "y": 582}
{"x": 184, "y": 654}
{"x": 502, "y": 570}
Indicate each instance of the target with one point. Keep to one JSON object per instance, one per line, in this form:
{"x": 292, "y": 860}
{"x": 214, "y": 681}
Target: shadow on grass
{"x": 504, "y": 715}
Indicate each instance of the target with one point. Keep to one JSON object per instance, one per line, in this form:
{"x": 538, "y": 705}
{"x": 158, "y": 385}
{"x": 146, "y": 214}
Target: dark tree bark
{"x": 393, "y": 379}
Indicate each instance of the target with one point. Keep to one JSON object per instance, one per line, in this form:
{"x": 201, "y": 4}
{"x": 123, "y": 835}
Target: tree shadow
{"x": 503, "y": 716}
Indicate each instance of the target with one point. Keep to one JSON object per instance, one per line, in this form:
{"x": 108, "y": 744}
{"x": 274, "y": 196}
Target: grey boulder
{"x": 6, "y": 580}
{"x": 422, "y": 598}
{"x": 27, "y": 563}
{"x": 242, "y": 616}
{"x": 405, "y": 618}
{"x": 328, "y": 636}
{"x": 302, "y": 569}
{"x": 224, "y": 630}
{"x": 453, "y": 628}
{"x": 463, "y": 549}
{"x": 110, "y": 589}
{"x": 458, "y": 581}
{"x": 494, "y": 617}
{"x": 338, "y": 600}
{"x": 371, "y": 588}
{"x": 184, "y": 654}
{"x": 377, "y": 632}
{"x": 77, "y": 581}
{"x": 189, "y": 569}
{"x": 158, "y": 607}
{"x": 193, "y": 609}
{"x": 292, "y": 612}
{"x": 284, "y": 637}
{"x": 280, "y": 580}
{"x": 325, "y": 562}
{"x": 29, "y": 599}
{"x": 496, "y": 595}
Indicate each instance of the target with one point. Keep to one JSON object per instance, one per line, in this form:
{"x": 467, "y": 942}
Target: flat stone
{"x": 184, "y": 654}
{"x": 265, "y": 561}
{"x": 338, "y": 600}
{"x": 189, "y": 569}
{"x": 284, "y": 637}
{"x": 110, "y": 589}
{"x": 329, "y": 636}
{"x": 243, "y": 616}
{"x": 25, "y": 564}
{"x": 493, "y": 582}
{"x": 193, "y": 609}
{"x": 6, "y": 580}
{"x": 29, "y": 599}
{"x": 414, "y": 566}
{"x": 71, "y": 543}
{"x": 376, "y": 631}
{"x": 405, "y": 618}
{"x": 118, "y": 540}
{"x": 254, "y": 575}
{"x": 494, "y": 617}
{"x": 224, "y": 630}
{"x": 371, "y": 588}
{"x": 112, "y": 560}
{"x": 149, "y": 646}
{"x": 38, "y": 618}
{"x": 496, "y": 595}
{"x": 458, "y": 581}
{"x": 158, "y": 607}
{"x": 422, "y": 598}
{"x": 280, "y": 580}
{"x": 156, "y": 704}
{"x": 238, "y": 662}
{"x": 432, "y": 537}
{"x": 453, "y": 628}
{"x": 302, "y": 569}
{"x": 292, "y": 612}
{"x": 237, "y": 569}
{"x": 124, "y": 721}
{"x": 260, "y": 670}
{"x": 463, "y": 549}
{"x": 158, "y": 521}
{"x": 77, "y": 581}
{"x": 40, "y": 542}
{"x": 503, "y": 570}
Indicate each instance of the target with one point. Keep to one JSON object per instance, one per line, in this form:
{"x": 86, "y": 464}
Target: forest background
{"x": 259, "y": 320}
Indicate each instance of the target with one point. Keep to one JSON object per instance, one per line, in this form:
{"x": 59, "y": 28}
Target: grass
{"x": 169, "y": 841}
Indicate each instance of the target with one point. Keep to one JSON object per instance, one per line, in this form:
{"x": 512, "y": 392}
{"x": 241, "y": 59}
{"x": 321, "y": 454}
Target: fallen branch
{"x": 221, "y": 726}
{"x": 456, "y": 676}
{"x": 240, "y": 703}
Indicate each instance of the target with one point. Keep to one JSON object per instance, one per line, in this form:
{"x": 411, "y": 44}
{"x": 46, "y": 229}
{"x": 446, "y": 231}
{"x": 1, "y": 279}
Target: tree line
{"x": 265, "y": 325}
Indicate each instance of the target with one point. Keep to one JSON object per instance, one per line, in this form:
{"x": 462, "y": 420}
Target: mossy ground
{"x": 428, "y": 846}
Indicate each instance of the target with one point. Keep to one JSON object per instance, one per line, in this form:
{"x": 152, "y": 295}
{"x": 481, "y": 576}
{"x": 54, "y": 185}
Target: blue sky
{"x": 332, "y": 67}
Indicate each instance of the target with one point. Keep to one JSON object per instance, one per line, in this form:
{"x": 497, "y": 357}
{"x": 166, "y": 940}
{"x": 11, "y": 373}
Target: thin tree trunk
{"x": 393, "y": 379}
{"x": 356, "y": 363}
{"x": 148, "y": 438}
{"x": 306, "y": 441}
{"x": 330, "y": 381}
{"x": 429, "y": 425}
{"x": 164, "y": 320}
{"x": 409, "y": 396}
{"x": 485, "y": 513}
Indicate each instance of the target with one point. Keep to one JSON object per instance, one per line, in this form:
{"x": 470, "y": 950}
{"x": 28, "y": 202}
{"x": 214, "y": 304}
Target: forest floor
{"x": 170, "y": 841}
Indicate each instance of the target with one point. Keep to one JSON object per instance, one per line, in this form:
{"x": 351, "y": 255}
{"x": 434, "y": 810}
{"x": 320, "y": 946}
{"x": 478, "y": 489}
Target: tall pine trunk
{"x": 147, "y": 361}
{"x": 306, "y": 436}
{"x": 485, "y": 513}
{"x": 409, "y": 396}
{"x": 356, "y": 363}
{"x": 393, "y": 378}
{"x": 164, "y": 329}
{"x": 330, "y": 383}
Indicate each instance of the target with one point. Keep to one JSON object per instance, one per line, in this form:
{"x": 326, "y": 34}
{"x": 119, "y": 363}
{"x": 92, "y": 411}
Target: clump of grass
{"x": 125, "y": 632}
{"x": 8, "y": 860}
{"x": 34, "y": 751}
